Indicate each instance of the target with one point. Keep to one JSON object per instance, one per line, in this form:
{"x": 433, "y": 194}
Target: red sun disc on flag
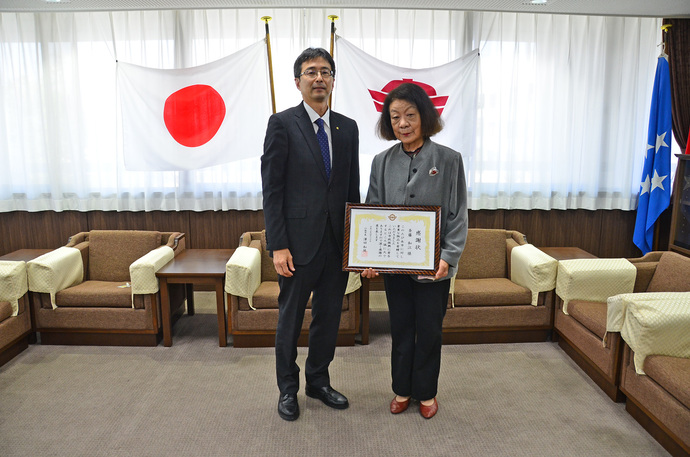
{"x": 379, "y": 96}
{"x": 193, "y": 115}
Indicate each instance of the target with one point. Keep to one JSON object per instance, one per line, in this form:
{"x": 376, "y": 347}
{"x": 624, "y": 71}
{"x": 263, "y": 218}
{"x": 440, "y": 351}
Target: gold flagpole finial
{"x": 664, "y": 29}
{"x": 333, "y": 17}
{"x": 266, "y": 19}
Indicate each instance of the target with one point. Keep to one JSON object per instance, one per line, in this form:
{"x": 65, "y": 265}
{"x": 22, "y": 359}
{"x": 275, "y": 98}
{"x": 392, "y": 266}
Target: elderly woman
{"x": 416, "y": 171}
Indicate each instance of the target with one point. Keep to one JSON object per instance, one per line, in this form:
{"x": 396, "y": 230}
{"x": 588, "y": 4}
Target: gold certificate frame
{"x": 392, "y": 239}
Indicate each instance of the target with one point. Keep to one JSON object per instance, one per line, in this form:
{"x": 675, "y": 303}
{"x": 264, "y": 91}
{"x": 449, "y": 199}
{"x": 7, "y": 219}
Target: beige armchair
{"x": 101, "y": 288}
{"x": 252, "y": 298}
{"x": 583, "y": 290}
{"x": 15, "y": 319}
{"x": 655, "y": 373}
{"x": 502, "y": 292}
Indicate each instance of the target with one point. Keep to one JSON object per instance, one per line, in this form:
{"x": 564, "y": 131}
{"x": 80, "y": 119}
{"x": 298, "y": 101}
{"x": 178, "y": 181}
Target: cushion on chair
{"x": 672, "y": 373}
{"x": 111, "y": 252}
{"x": 590, "y": 314}
{"x": 5, "y": 310}
{"x": 266, "y": 297}
{"x": 671, "y": 274}
{"x": 487, "y": 292}
{"x": 484, "y": 255}
{"x": 97, "y": 294}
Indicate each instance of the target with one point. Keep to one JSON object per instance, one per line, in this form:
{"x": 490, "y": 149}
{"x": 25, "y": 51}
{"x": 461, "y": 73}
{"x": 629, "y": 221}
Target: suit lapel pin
{"x": 433, "y": 171}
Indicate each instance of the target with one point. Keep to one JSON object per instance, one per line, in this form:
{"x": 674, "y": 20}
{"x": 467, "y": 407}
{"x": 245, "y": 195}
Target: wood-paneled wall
{"x": 603, "y": 233}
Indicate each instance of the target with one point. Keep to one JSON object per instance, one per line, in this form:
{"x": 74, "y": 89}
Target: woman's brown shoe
{"x": 428, "y": 412}
{"x": 399, "y": 406}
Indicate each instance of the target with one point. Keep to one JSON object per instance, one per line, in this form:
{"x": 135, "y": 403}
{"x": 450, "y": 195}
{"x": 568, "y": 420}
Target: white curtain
{"x": 564, "y": 101}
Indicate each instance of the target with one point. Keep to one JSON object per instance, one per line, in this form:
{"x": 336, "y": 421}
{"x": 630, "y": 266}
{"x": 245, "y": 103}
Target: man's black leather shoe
{"x": 328, "y": 395}
{"x": 288, "y": 408}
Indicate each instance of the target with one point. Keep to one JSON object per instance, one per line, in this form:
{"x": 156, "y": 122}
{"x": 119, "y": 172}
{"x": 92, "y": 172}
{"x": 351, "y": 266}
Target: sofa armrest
{"x": 533, "y": 269}
{"x": 593, "y": 279}
{"x": 652, "y": 323}
{"x": 55, "y": 271}
{"x": 76, "y": 239}
{"x": 652, "y": 256}
{"x": 142, "y": 271}
{"x": 243, "y": 273}
{"x": 13, "y": 283}
{"x": 174, "y": 240}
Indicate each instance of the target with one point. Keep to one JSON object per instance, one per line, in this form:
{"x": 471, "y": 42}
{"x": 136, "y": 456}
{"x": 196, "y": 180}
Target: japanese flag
{"x": 191, "y": 118}
{"x": 364, "y": 81}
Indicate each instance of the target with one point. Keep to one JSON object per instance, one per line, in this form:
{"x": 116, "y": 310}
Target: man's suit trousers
{"x": 324, "y": 276}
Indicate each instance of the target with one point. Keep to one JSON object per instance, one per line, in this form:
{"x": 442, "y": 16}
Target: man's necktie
{"x": 323, "y": 144}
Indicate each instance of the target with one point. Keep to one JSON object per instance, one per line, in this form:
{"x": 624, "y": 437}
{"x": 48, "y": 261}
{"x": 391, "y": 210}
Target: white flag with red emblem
{"x": 362, "y": 83}
{"x": 197, "y": 117}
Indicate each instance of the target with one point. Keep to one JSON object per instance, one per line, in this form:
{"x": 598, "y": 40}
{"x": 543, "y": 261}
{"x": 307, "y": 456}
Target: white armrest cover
{"x": 13, "y": 283}
{"x": 142, "y": 271}
{"x": 653, "y": 323}
{"x": 55, "y": 271}
{"x": 243, "y": 273}
{"x": 533, "y": 269}
{"x": 353, "y": 283}
{"x": 594, "y": 279}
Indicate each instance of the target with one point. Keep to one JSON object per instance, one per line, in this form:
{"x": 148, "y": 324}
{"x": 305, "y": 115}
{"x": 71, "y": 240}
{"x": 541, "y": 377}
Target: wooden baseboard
{"x": 495, "y": 336}
{"x": 610, "y": 388}
{"x": 659, "y": 433}
{"x": 265, "y": 340}
{"x": 100, "y": 339}
{"x": 14, "y": 349}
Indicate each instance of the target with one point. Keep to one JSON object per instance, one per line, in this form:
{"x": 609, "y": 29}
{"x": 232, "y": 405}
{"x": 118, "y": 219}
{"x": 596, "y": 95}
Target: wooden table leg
{"x": 165, "y": 313}
{"x": 189, "y": 292}
{"x": 364, "y": 303}
{"x": 220, "y": 309}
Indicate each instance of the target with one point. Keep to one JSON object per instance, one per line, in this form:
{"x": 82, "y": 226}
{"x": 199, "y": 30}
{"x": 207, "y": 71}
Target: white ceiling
{"x": 650, "y": 8}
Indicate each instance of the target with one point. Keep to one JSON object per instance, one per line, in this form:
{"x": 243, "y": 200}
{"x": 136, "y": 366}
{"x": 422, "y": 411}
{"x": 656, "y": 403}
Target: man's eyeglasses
{"x": 311, "y": 73}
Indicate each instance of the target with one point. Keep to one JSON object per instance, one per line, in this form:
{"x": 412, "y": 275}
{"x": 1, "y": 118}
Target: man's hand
{"x": 282, "y": 261}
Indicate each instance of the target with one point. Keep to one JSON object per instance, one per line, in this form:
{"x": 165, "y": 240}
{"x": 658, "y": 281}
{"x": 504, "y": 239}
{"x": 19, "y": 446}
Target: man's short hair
{"x": 414, "y": 94}
{"x": 311, "y": 54}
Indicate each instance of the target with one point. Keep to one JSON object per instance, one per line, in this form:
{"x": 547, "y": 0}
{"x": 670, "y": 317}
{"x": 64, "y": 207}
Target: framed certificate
{"x": 392, "y": 239}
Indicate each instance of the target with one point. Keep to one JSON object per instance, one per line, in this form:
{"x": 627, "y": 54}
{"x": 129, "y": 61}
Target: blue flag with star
{"x": 655, "y": 188}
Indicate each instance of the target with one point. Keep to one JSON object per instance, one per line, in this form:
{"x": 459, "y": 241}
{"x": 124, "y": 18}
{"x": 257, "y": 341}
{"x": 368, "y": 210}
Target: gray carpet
{"x": 197, "y": 399}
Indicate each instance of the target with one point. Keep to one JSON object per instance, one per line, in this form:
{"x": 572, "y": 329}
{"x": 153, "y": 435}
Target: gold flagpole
{"x": 270, "y": 62}
{"x": 333, "y": 18}
{"x": 658, "y": 222}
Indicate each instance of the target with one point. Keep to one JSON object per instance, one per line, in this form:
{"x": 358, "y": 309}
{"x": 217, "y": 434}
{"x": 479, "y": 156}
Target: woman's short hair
{"x": 414, "y": 94}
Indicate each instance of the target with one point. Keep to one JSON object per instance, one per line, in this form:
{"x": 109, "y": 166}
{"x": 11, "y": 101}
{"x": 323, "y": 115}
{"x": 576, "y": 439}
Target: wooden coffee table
{"x": 201, "y": 267}
{"x": 567, "y": 253}
{"x": 25, "y": 255}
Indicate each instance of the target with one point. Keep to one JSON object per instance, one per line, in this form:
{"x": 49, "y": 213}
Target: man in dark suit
{"x": 309, "y": 170}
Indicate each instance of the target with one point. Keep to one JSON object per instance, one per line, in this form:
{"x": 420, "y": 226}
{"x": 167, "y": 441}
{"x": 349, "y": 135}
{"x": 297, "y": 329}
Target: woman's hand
{"x": 442, "y": 270}
{"x": 369, "y": 273}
